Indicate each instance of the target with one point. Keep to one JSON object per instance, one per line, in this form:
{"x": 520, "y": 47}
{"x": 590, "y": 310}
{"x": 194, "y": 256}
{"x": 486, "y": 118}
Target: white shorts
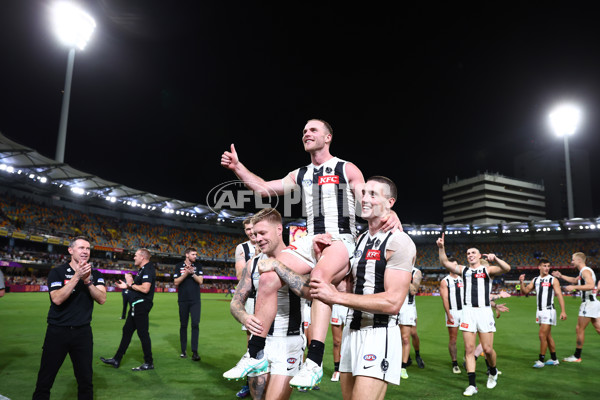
{"x": 546, "y": 317}
{"x": 249, "y": 306}
{"x": 375, "y": 352}
{"x": 303, "y": 247}
{"x": 284, "y": 354}
{"x": 408, "y": 315}
{"x": 338, "y": 314}
{"x": 456, "y": 316}
{"x": 477, "y": 319}
{"x": 589, "y": 309}
{"x": 305, "y": 313}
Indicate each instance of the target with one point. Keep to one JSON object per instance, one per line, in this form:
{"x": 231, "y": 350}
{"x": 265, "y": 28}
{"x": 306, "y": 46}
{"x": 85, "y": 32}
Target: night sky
{"x": 419, "y": 93}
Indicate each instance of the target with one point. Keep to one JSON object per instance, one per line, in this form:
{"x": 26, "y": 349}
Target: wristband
{"x": 90, "y": 283}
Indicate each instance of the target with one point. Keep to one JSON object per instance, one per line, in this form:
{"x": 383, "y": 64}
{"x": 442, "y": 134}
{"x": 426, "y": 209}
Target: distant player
{"x": 477, "y": 317}
{"x": 589, "y": 311}
{"x": 546, "y": 287}
{"x": 408, "y": 321}
{"x": 452, "y": 293}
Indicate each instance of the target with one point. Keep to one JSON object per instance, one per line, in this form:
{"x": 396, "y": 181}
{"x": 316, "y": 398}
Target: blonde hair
{"x": 580, "y": 255}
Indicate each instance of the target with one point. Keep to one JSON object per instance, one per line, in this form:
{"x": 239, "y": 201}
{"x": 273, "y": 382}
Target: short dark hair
{"x": 190, "y": 249}
{"x": 327, "y": 125}
{"x": 72, "y": 242}
{"x": 386, "y": 181}
{"x": 543, "y": 261}
{"x": 248, "y": 221}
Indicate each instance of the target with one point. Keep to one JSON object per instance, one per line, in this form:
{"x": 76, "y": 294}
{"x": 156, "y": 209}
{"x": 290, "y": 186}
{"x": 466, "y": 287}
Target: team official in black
{"x": 141, "y": 294}
{"x": 73, "y": 288}
{"x": 188, "y": 278}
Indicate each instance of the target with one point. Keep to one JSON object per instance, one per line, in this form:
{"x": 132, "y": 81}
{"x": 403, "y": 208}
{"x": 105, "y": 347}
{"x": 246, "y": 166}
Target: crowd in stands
{"x": 27, "y": 216}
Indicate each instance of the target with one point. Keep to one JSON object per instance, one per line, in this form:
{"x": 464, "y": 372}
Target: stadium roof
{"x": 22, "y": 164}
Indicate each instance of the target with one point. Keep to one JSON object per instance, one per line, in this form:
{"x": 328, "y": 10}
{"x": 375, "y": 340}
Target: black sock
{"x": 542, "y": 356}
{"x": 404, "y": 364}
{"x": 471, "y": 376}
{"x": 486, "y": 363}
{"x": 336, "y": 366}
{"x": 417, "y": 353}
{"x": 256, "y": 344}
{"x": 455, "y": 363}
{"x": 493, "y": 371}
{"x": 553, "y": 356}
{"x": 315, "y": 351}
{"x": 578, "y": 353}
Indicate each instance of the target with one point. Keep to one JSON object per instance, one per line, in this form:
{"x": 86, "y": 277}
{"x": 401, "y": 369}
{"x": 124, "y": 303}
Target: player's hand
{"x": 440, "y": 241}
{"x": 121, "y": 285}
{"x": 320, "y": 242}
{"x": 267, "y": 265}
{"x": 323, "y": 291}
{"x": 83, "y": 270}
{"x": 253, "y": 324}
{"x": 504, "y": 294}
{"x": 230, "y": 159}
{"x": 501, "y": 308}
{"x": 491, "y": 257}
{"x": 449, "y": 319}
{"x": 570, "y": 288}
{"x": 129, "y": 279}
{"x": 521, "y": 278}
{"x": 392, "y": 222}
{"x": 556, "y": 274}
{"x": 563, "y": 315}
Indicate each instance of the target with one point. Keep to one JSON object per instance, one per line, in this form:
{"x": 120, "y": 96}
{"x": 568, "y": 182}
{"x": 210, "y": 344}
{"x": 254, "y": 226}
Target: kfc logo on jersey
{"x": 373, "y": 255}
{"x": 335, "y": 320}
{"x": 480, "y": 275}
{"x": 546, "y": 284}
{"x": 464, "y": 325}
{"x": 370, "y": 357}
{"x": 460, "y": 284}
{"x": 323, "y": 180}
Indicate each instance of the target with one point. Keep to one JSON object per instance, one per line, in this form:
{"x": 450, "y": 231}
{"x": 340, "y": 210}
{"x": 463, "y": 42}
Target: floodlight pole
{"x": 64, "y": 113}
{"x": 569, "y": 182}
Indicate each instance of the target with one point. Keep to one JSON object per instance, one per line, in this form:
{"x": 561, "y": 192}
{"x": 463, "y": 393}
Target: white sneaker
{"x": 403, "y": 373}
{"x": 470, "y": 391}
{"x": 335, "y": 377}
{"x": 492, "y": 381}
{"x": 538, "y": 364}
{"x": 455, "y": 369}
{"x": 572, "y": 359}
{"x": 246, "y": 365}
{"x": 310, "y": 374}
{"x": 552, "y": 362}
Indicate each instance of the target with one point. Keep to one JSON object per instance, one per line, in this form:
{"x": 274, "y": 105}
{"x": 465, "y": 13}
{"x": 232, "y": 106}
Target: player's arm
{"x": 181, "y": 276}
{"x": 144, "y": 287}
{"x": 444, "y": 296}
{"x": 525, "y": 289}
{"x": 456, "y": 269}
{"x": 588, "y": 285}
{"x": 416, "y": 282}
{"x": 197, "y": 275}
{"x": 61, "y": 295}
{"x": 299, "y": 284}
{"x": 237, "y": 306}
{"x": 230, "y": 160}
{"x": 240, "y": 261}
{"x": 569, "y": 279}
{"x": 502, "y": 266}
{"x": 561, "y": 300}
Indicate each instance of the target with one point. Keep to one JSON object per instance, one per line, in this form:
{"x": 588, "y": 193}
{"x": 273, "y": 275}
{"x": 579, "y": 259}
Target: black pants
{"x": 189, "y": 309}
{"x": 60, "y": 341}
{"x": 125, "y": 303}
{"x": 137, "y": 320}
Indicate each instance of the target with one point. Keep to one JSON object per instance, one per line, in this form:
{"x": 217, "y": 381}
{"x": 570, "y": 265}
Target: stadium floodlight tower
{"x": 564, "y": 120}
{"x": 74, "y": 28}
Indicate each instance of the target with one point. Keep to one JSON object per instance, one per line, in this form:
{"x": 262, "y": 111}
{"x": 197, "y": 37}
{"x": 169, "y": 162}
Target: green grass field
{"x": 23, "y": 324}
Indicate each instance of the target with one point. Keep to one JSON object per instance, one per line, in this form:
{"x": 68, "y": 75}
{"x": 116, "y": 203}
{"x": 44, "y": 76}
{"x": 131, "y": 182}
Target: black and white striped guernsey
{"x": 368, "y": 270}
{"x": 477, "y": 286}
{"x": 327, "y": 198}
{"x": 288, "y": 320}
{"x": 249, "y": 251}
{"x": 455, "y": 292}
{"x": 587, "y": 295}
{"x": 544, "y": 290}
{"x": 410, "y": 298}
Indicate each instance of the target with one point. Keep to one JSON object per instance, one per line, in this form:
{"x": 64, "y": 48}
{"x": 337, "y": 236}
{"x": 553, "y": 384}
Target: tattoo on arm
{"x": 297, "y": 283}
{"x": 242, "y": 292}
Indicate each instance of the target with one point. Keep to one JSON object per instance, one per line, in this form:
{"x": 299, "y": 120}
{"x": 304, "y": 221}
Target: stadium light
{"x": 564, "y": 120}
{"x": 74, "y": 28}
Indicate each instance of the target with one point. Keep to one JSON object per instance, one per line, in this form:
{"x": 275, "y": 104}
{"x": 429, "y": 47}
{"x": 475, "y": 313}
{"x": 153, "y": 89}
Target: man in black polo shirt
{"x": 141, "y": 293}
{"x": 188, "y": 278}
{"x": 73, "y": 288}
